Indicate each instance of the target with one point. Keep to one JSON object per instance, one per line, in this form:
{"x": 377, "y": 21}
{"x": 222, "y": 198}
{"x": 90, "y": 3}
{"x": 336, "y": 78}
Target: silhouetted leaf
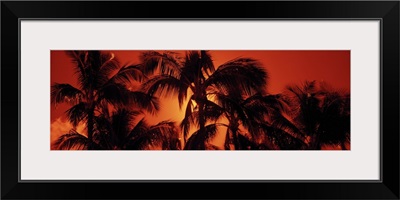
{"x": 77, "y": 113}
{"x": 243, "y": 74}
{"x": 72, "y": 141}
{"x": 61, "y": 93}
{"x": 166, "y": 85}
{"x": 167, "y": 63}
{"x": 127, "y": 74}
{"x": 198, "y": 140}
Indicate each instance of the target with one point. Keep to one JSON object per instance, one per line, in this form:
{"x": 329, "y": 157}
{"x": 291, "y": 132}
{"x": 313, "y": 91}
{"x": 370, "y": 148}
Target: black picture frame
{"x": 386, "y": 11}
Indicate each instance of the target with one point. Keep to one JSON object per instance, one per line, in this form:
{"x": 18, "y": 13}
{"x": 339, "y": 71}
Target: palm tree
{"x": 250, "y": 120}
{"x": 318, "y": 112}
{"x": 250, "y": 113}
{"x": 119, "y": 132}
{"x": 162, "y": 136}
{"x": 73, "y": 141}
{"x": 102, "y": 83}
{"x": 196, "y": 73}
{"x": 201, "y": 140}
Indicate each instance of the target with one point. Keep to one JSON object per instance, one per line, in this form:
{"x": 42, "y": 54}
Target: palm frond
{"x": 166, "y": 84}
{"x": 166, "y": 133}
{"x": 119, "y": 96}
{"x": 61, "y": 93}
{"x": 137, "y": 138}
{"x": 109, "y": 64}
{"x": 162, "y": 135}
{"x": 244, "y": 74}
{"x": 144, "y": 101}
{"x": 72, "y": 141}
{"x": 308, "y": 89}
{"x": 78, "y": 58}
{"x": 114, "y": 93}
{"x": 276, "y": 138}
{"x": 103, "y": 108}
{"x": 260, "y": 102}
{"x": 227, "y": 101}
{"x": 282, "y": 123}
{"x": 77, "y": 113}
{"x": 128, "y": 73}
{"x": 122, "y": 123}
{"x": 167, "y": 62}
{"x": 198, "y": 140}
{"x": 213, "y": 111}
{"x": 256, "y": 108}
{"x": 259, "y": 107}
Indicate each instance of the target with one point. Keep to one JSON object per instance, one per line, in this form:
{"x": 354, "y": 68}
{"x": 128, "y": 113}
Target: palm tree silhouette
{"x": 73, "y": 141}
{"x": 250, "y": 113}
{"x": 196, "y": 73}
{"x": 102, "y": 83}
{"x": 319, "y": 113}
{"x": 249, "y": 125}
{"x": 250, "y": 120}
{"x": 162, "y": 136}
{"x": 118, "y": 131}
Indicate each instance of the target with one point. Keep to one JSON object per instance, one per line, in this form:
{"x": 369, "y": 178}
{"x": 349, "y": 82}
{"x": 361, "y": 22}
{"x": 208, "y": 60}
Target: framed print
{"x": 301, "y": 98}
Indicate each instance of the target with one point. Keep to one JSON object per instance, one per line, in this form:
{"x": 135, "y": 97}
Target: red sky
{"x": 284, "y": 68}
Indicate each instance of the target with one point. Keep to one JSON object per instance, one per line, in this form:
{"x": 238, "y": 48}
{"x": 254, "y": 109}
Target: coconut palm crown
{"x": 196, "y": 75}
{"x": 101, "y": 84}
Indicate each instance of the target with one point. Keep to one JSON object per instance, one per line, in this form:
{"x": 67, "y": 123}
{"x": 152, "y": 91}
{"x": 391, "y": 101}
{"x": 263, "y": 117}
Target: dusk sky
{"x": 284, "y": 68}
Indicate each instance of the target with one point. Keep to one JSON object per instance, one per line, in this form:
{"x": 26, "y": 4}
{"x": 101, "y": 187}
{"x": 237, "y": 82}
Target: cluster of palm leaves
{"x": 231, "y": 99}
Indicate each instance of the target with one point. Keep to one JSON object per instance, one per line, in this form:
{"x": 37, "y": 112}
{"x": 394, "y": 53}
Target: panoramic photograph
{"x": 200, "y": 100}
